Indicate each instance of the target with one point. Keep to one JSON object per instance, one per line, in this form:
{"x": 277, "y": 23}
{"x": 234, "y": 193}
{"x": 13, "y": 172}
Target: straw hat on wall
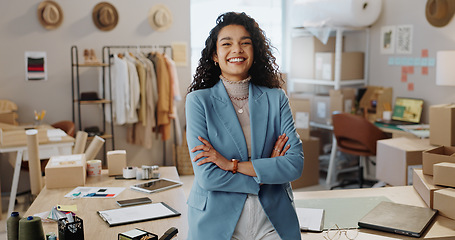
{"x": 105, "y": 16}
{"x": 439, "y": 12}
{"x": 160, "y": 17}
{"x": 50, "y": 15}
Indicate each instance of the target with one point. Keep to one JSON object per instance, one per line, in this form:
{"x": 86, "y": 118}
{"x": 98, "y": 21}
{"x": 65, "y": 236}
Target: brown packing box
{"x": 424, "y": 185}
{"x": 442, "y": 124}
{"x": 444, "y": 174}
{"x": 10, "y": 118}
{"x": 382, "y": 96}
{"x": 301, "y": 108}
{"x": 15, "y": 136}
{"x": 351, "y": 66}
{"x": 437, "y": 155}
{"x": 116, "y": 162}
{"x": 342, "y": 100}
{"x": 310, "y": 173}
{"x": 395, "y": 156}
{"x": 302, "y": 59}
{"x": 66, "y": 171}
{"x": 444, "y": 202}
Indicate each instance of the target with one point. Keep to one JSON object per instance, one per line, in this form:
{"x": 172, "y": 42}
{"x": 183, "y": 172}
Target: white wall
{"x": 21, "y": 31}
{"x": 425, "y": 36}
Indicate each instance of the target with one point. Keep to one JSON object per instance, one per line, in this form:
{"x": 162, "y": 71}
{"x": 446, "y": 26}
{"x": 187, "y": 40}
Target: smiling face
{"x": 234, "y": 52}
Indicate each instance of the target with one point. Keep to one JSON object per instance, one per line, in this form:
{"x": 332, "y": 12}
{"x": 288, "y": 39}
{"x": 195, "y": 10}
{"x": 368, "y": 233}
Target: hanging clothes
{"x": 134, "y": 87}
{"x": 120, "y": 89}
{"x": 165, "y": 96}
{"x": 142, "y": 132}
{"x": 174, "y": 81}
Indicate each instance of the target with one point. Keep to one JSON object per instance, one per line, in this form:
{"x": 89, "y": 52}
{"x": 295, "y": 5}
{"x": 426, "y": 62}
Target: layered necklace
{"x": 235, "y": 98}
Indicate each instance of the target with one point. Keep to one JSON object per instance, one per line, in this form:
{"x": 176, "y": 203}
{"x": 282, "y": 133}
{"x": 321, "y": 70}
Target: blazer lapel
{"x": 226, "y": 113}
{"x": 259, "y": 111}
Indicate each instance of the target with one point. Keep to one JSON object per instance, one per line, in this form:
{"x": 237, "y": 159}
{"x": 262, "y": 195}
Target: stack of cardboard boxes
{"x": 435, "y": 182}
{"x": 301, "y": 110}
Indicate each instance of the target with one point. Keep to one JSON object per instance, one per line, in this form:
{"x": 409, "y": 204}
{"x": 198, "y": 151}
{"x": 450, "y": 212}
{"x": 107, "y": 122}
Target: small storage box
{"x": 66, "y": 171}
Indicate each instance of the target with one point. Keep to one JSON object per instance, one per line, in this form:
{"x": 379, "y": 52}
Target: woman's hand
{"x": 211, "y": 156}
{"x": 279, "y": 144}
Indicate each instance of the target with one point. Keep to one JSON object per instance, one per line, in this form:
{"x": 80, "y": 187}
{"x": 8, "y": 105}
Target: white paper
{"x": 327, "y": 71}
{"x": 310, "y": 219}
{"x": 404, "y": 39}
{"x": 83, "y": 191}
{"x": 321, "y": 109}
{"x": 302, "y": 120}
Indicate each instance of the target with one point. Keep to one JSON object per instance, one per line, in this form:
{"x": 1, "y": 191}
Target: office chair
{"x": 357, "y": 136}
{"x": 66, "y": 126}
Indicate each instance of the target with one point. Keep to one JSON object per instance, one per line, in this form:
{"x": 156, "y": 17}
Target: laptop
{"x": 398, "y": 218}
{"x": 405, "y": 111}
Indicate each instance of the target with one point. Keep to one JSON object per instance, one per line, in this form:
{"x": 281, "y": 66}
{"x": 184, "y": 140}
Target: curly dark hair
{"x": 264, "y": 71}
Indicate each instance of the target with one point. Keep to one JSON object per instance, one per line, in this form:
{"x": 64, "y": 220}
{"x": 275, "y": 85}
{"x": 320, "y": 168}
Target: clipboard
{"x": 141, "y": 213}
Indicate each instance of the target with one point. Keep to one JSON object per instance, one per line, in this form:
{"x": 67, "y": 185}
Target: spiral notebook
{"x": 146, "y": 212}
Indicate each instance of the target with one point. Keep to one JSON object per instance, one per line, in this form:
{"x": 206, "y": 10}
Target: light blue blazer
{"x": 217, "y": 197}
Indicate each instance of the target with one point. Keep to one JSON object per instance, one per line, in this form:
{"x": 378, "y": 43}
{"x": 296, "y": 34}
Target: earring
{"x": 216, "y": 63}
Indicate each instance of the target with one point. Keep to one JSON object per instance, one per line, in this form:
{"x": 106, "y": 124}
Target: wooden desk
{"x": 95, "y": 227}
{"x": 441, "y": 228}
{"x": 47, "y": 149}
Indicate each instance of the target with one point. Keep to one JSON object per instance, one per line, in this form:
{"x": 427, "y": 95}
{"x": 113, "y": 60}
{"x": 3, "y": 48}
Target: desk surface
{"x": 441, "y": 228}
{"x": 94, "y": 227}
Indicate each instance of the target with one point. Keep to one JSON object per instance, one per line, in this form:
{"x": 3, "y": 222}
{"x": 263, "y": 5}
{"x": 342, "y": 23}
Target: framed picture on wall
{"x": 404, "y": 39}
{"x": 388, "y": 39}
{"x": 35, "y": 66}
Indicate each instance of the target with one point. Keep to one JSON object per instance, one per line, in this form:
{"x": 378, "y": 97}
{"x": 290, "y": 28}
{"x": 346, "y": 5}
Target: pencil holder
{"x": 70, "y": 231}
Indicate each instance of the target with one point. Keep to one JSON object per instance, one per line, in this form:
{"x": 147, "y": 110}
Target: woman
{"x": 238, "y": 122}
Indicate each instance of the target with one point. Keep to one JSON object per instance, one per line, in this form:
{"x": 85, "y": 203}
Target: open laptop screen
{"x": 407, "y": 109}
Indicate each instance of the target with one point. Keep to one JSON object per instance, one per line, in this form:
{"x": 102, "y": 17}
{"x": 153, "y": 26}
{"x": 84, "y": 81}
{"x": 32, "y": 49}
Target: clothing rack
{"x": 107, "y": 55}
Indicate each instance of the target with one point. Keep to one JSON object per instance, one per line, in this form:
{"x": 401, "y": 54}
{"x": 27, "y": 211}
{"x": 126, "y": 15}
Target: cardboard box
{"x": 66, "y": 171}
{"x": 444, "y": 174}
{"x": 442, "y": 125}
{"x": 9, "y": 118}
{"x": 15, "y": 136}
{"x": 302, "y": 57}
{"x": 301, "y": 108}
{"x": 437, "y": 155}
{"x": 374, "y": 101}
{"x": 352, "y": 64}
{"x": 116, "y": 162}
{"x": 395, "y": 156}
{"x": 310, "y": 173}
{"x": 443, "y": 202}
{"x": 425, "y": 186}
{"x": 342, "y": 100}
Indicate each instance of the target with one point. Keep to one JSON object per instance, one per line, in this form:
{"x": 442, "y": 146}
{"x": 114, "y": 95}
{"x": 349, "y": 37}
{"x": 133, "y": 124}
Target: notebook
{"x": 310, "y": 219}
{"x": 398, "y": 218}
{"x": 406, "y": 111}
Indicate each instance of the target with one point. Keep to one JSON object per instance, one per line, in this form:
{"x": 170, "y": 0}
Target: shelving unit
{"x": 337, "y": 83}
{"x": 77, "y": 104}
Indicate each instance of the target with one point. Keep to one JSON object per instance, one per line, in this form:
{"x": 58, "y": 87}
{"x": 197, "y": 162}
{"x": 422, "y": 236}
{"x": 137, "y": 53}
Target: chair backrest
{"x": 355, "y": 134}
{"x": 66, "y": 126}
